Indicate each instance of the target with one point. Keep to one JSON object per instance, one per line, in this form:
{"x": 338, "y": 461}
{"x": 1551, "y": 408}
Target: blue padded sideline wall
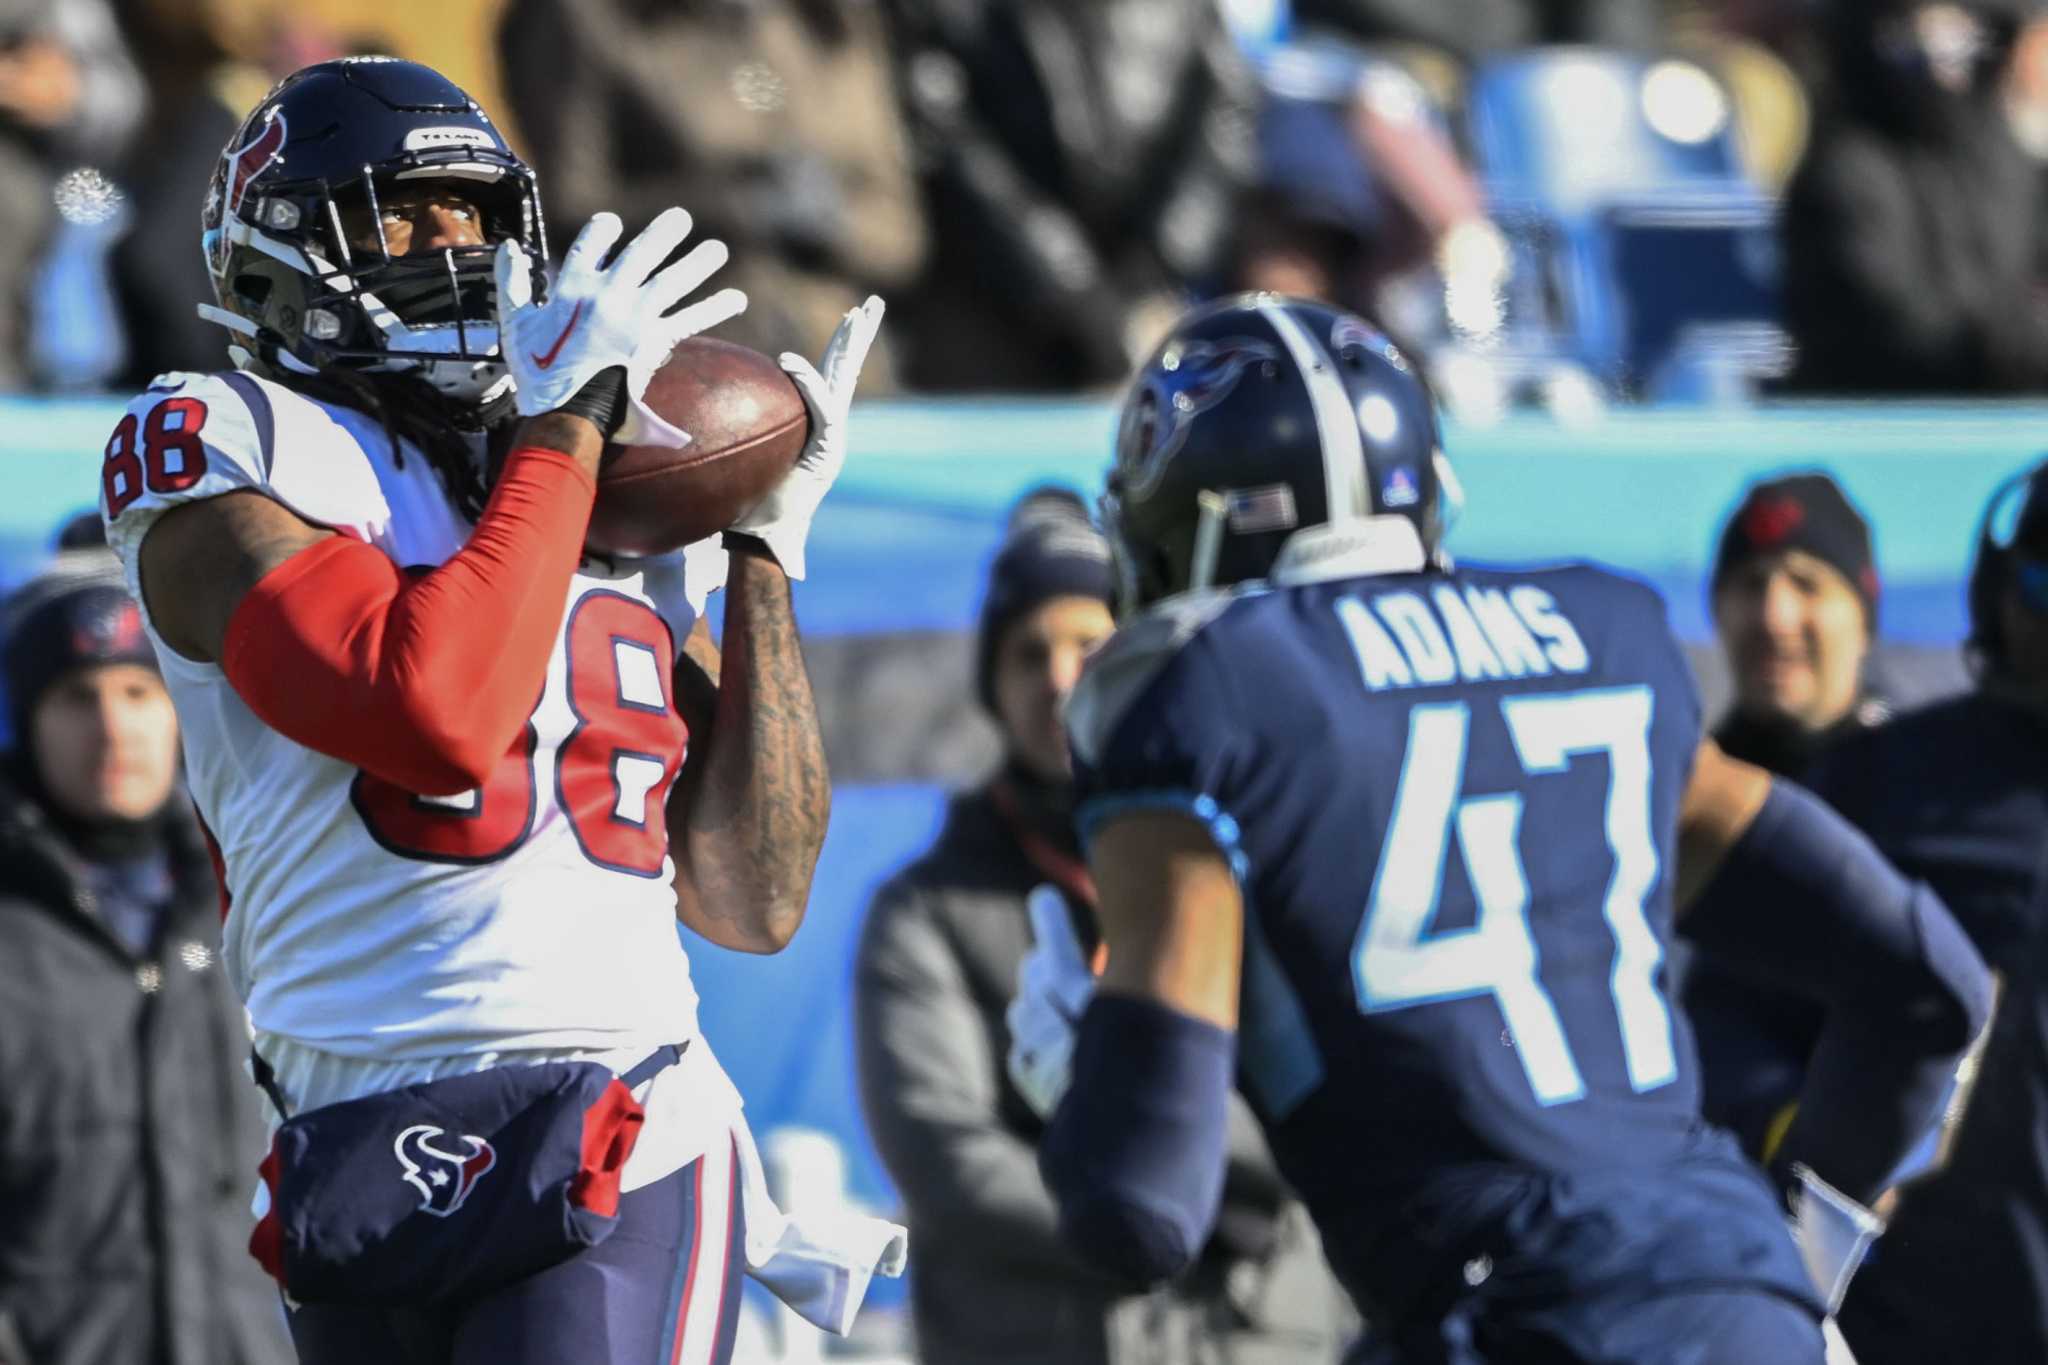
{"x": 902, "y": 539}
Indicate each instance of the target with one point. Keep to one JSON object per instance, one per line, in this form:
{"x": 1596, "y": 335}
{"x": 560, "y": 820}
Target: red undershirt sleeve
{"x": 423, "y": 682}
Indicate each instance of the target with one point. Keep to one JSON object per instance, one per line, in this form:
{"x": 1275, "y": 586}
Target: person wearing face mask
{"x": 1795, "y": 598}
{"x": 126, "y": 1125}
{"x": 1913, "y": 234}
{"x": 937, "y": 968}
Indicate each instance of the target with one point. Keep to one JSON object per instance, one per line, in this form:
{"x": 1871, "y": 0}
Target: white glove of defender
{"x": 1054, "y": 986}
{"x": 782, "y": 520}
{"x": 597, "y": 317}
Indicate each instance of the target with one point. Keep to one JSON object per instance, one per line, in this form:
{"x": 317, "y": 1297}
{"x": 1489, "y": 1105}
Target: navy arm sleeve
{"x": 1806, "y": 901}
{"x": 1135, "y": 1153}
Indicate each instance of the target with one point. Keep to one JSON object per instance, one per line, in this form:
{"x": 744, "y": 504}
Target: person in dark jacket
{"x": 129, "y": 1135}
{"x": 1081, "y": 161}
{"x": 1795, "y": 596}
{"x": 1915, "y": 243}
{"x": 774, "y": 121}
{"x": 1957, "y": 794}
{"x": 991, "y": 1283}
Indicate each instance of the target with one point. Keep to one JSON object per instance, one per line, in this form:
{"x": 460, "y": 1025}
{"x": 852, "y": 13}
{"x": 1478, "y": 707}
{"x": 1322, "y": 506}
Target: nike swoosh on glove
{"x": 597, "y": 317}
{"x": 782, "y": 520}
{"x": 1054, "y": 986}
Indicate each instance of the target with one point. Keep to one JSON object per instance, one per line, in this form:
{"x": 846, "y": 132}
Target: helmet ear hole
{"x": 253, "y": 290}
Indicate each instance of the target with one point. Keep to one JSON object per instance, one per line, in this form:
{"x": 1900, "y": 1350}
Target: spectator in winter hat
{"x": 1795, "y": 597}
{"x": 129, "y": 1133}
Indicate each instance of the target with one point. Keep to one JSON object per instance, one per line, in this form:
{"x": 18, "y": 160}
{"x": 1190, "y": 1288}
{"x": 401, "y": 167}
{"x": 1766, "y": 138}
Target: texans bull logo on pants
{"x": 444, "y": 1179}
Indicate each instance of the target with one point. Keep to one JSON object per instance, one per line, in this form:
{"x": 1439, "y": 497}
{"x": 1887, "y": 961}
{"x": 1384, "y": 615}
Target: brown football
{"x": 747, "y": 425}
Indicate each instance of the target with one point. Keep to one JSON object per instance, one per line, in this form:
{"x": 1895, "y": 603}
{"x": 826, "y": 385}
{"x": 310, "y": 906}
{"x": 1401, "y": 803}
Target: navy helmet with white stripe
{"x": 1267, "y": 426}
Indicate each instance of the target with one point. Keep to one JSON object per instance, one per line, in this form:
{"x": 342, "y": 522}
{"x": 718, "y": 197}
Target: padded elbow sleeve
{"x": 1135, "y": 1154}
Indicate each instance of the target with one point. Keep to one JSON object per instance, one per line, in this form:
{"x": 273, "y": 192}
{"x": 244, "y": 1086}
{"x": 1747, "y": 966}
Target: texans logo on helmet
{"x": 443, "y": 1179}
{"x": 1186, "y": 383}
{"x": 246, "y": 162}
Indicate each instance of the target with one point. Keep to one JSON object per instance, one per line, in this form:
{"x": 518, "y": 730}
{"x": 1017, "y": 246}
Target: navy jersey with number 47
{"x": 1452, "y": 803}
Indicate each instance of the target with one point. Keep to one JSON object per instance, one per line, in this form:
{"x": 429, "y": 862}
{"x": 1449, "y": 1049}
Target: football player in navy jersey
{"x": 1398, "y": 845}
{"x": 1957, "y": 792}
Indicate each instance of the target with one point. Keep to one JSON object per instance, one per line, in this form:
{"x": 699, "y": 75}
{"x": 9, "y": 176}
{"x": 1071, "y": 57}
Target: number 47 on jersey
{"x": 1399, "y": 963}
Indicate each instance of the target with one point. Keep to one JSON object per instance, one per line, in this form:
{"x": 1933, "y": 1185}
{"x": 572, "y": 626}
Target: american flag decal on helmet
{"x": 1270, "y": 508}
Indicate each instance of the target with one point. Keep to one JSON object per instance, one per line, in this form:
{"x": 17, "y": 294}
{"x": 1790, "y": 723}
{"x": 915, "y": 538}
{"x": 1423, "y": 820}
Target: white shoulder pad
{"x": 194, "y": 436}
{"x": 1126, "y": 665}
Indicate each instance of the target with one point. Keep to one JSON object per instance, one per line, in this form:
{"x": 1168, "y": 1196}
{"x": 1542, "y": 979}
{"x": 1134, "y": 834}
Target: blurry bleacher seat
{"x": 1642, "y": 250}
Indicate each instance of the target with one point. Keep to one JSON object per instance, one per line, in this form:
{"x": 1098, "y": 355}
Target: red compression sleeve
{"x": 422, "y": 682}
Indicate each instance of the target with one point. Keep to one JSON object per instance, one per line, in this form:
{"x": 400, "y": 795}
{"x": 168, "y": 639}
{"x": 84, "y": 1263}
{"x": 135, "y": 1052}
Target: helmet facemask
{"x": 306, "y": 297}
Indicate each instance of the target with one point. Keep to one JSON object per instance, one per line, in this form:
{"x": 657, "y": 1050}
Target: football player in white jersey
{"x": 463, "y": 775}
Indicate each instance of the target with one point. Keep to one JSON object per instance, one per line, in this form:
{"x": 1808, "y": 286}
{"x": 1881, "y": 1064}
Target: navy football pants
{"x": 1704, "y": 1326}
{"x": 663, "y": 1289}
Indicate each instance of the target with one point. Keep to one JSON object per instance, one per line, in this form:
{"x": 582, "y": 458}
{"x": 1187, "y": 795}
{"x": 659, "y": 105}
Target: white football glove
{"x": 782, "y": 520}
{"x": 597, "y": 317}
{"x": 1833, "y": 1233}
{"x": 1054, "y": 986}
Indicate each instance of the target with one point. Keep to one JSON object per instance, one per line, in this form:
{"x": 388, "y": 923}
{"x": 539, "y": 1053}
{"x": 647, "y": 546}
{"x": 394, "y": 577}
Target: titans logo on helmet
{"x": 1187, "y": 381}
{"x": 443, "y": 1179}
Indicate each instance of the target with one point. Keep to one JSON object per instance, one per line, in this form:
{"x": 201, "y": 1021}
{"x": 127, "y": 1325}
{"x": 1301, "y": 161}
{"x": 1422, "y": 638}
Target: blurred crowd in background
{"x": 1557, "y": 202}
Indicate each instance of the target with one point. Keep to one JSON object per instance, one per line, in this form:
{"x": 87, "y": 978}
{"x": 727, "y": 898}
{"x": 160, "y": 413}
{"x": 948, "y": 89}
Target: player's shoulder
{"x": 228, "y": 411}
{"x": 1142, "y": 651}
{"x": 191, "y": 436}
{"x": 239, "y": 418}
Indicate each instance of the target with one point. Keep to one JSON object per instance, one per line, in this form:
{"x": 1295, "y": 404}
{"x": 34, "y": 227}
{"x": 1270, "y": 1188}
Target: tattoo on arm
{"x": 201, "y": 558}
{"x": 748, "y": 815}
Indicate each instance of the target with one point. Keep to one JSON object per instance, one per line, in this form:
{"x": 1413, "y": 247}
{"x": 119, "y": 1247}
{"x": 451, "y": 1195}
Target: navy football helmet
{"x": 1262, "y": 417}
{"x": 297, "y": 295}
{"x": 2012, "y": 550}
